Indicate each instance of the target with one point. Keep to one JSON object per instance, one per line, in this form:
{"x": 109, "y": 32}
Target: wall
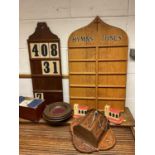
{"x": 65, "y": 16}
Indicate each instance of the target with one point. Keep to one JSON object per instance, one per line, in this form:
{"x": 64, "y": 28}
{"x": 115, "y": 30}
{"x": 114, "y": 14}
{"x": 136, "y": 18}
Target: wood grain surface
{"x": 98, "y": 55}
{"x": 45, "y": 63}
{"x": 42, "y": 139}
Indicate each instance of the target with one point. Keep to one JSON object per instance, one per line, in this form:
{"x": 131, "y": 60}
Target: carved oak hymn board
{"x": 98, "y": 65}
{"x": 45, "y": 62}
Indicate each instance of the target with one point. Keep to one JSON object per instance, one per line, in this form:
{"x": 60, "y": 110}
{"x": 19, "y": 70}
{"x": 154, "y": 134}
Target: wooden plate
{"x": 56, "y": 110}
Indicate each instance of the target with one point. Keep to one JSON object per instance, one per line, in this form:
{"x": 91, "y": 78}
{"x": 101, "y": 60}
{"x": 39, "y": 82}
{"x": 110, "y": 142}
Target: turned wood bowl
{"x": 57, "y": 113}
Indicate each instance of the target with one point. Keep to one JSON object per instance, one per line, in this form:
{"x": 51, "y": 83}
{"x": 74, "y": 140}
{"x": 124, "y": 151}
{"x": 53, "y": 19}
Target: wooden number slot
{"x": 113, "y": 53}
{"x": 111, "y": 93}
{"x": 82, "y": 54}
{"x": 82, "y": 80}
{"x": 44, "y": 50}
{"x": 35, "y": 50}
{"x": 82, "y": 67}
{"x": 82, "y": 92}
{"x": 112, "y": 67}
{"x": 54, "y": 50}
{"x": 39, "y": 95}
{"x": 50, "y": 67}
{"x": 112, "y": 80}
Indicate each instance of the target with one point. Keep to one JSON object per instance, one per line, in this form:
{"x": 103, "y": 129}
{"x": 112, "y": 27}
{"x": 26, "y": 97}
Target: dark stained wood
{"x": 50, "y": 84}
{"x": 90, "y": 130}
{"x": 51, "y": 97}
{"x": 27, "y": 76}
{"x": 42, "y": 33}
{"x": 42, "y": 139}
{"x": 44, "y": 83}
{"x": 36, "y": 67}
{"x": 33, "y": 114}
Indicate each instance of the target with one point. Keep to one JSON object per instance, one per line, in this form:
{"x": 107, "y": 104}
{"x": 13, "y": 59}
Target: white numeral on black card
{"x": 46, "y": 66}
{"x": 44, "y": 50}
{"x": 35, "y": 50}
{"x": 54, "y": 50}
{"x": 50, "y": 67}
{"x": 39, "y": 95}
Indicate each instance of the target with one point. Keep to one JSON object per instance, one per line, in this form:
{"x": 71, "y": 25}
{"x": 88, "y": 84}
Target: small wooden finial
{"x": 97, "y": 19}
{"x": 42, "y": 32}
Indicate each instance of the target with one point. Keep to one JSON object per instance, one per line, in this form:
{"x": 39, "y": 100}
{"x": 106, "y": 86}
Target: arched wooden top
{"x": 42, "y": 33}
{"x": 98, "y": 33}
{"x": 97, "y": 56}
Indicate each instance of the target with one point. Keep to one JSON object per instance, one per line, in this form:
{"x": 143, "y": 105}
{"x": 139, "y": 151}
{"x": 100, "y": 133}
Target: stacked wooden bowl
{"x": 57, "y": 113}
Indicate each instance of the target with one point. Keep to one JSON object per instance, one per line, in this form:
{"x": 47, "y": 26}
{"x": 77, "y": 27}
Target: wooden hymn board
{"x": 98, "y": 65}
{"x": 45, "y": 62}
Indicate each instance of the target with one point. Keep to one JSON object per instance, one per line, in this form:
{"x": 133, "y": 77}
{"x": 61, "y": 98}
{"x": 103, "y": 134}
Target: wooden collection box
{"x": 29, "y": 112}
{"x": 92, "y": 128}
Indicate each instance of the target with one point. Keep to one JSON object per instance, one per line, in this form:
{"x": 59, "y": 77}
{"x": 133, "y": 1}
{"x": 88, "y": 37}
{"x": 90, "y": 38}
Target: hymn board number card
{"x": 46, "y": 50}
{"x": 45, "y": 61}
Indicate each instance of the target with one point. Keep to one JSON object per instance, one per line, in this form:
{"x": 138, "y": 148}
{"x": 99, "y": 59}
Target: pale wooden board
{"x": 98, "y": 56}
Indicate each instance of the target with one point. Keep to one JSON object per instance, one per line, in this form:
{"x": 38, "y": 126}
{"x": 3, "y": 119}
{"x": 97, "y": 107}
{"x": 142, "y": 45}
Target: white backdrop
{"x": 64, "y": 17}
